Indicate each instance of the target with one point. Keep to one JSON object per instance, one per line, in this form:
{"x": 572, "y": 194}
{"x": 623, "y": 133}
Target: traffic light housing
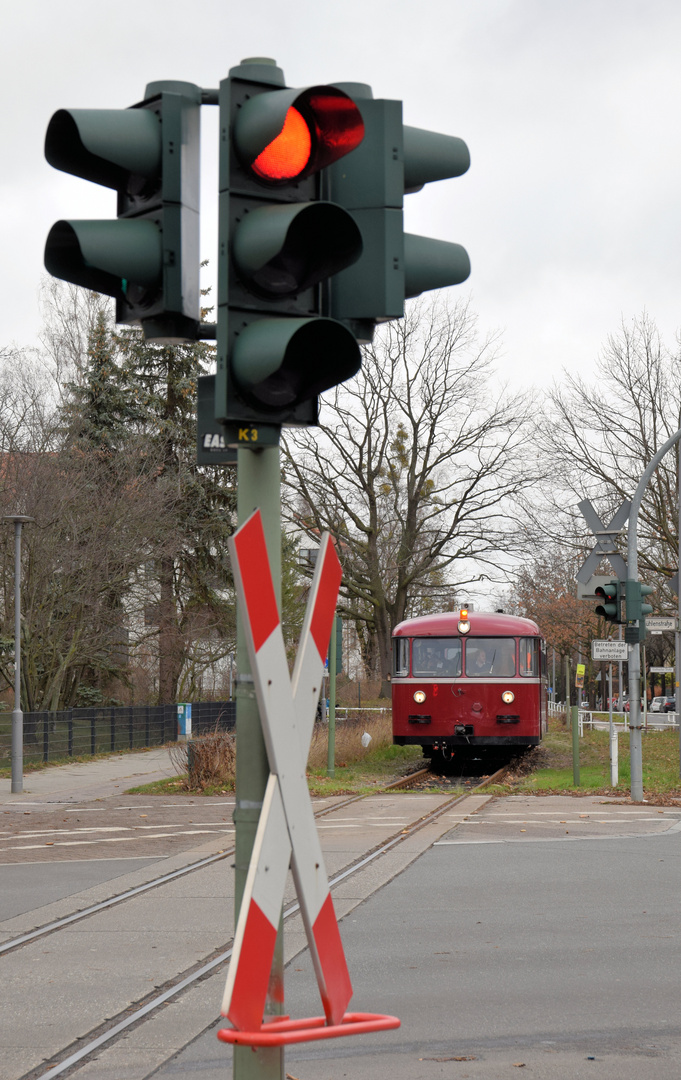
{"x": 279, "y": 242}
{"x": 636, "y": 611}
{"x": 393, "y": 160}
{"x": 148, "y": 258}
{"x": 612, "y": 601}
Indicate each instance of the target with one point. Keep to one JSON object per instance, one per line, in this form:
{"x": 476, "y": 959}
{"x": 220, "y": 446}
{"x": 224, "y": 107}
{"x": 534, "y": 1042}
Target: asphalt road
{"x": 533, "y": 933}
{"x": 132, "y": 826}
{"x": 541, "y": 934}
{"x": 60, "y": 988}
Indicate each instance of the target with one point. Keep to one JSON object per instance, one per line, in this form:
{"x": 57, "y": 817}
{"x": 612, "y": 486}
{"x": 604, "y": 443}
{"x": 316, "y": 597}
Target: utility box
{"x": 184, "y": 722}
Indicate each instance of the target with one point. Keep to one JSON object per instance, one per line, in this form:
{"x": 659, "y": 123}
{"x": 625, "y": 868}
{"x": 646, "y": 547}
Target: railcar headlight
{"x": 419, "y": 696}
{"x": 507, "y": 697}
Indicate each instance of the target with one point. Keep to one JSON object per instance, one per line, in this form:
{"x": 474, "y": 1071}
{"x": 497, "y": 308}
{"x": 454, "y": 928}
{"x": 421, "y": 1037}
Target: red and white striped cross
{"x": 286, "y": 832}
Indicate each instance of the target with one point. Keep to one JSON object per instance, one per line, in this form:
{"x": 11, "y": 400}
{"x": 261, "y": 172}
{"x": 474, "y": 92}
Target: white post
{"x": 614, "y": 758}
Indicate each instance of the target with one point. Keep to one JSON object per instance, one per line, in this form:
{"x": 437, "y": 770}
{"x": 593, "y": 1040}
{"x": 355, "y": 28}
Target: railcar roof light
{"x": 464, "y": 624}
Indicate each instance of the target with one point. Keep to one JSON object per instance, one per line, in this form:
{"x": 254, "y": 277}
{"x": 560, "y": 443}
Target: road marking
{"x": 118, "y": 839}
{"x": 113, "y": 828}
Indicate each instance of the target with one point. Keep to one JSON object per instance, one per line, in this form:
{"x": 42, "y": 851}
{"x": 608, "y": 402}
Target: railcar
{"x": 468, "y": 685}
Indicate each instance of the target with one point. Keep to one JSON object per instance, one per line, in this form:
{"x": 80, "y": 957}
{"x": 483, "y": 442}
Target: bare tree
{"x": 79, "y": 559}
{"x": 27, "y": 411}
{"x": 129, "y": 540}
{"x": 600, "y": 434}
{"x": 414, "y": 471}
{"x": 70, "y": 315}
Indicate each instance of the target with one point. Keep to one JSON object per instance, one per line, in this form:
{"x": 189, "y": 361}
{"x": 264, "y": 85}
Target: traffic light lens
{"x": 339, "y": 125}
{"x": 286, "y": 156}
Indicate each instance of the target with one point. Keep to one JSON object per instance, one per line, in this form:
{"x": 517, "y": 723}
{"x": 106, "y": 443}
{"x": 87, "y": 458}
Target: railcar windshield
{"x": 529, "y": 656}
{"x": 490, "y": 656}
{"x": 436, "y": 656}
{"x": 400, "y": 656}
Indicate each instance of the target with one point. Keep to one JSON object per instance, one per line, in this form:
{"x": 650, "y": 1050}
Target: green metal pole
{"x": 635, "y": 740}
{"x": 575, "y": 745}
{"x": 331, "y": 753}
{"x": 258, "y": 487}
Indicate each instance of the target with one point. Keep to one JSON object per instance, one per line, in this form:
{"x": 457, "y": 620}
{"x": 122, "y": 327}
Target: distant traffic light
{"x": 393, "y": 160}
{"x": 637, "y": 611}
{"x": 279, "y": 243}
{"x": 148, "y": 258}
{"x": 612, "y": 602}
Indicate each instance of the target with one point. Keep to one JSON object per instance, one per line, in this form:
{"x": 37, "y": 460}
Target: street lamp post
{"x": 17, "y": 715}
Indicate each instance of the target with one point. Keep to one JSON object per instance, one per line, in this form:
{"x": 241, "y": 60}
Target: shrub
{"x": 209, "y": 761}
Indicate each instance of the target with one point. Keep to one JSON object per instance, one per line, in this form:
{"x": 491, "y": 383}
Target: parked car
{"x": 626, "y": 705}
{"x": 663, "y": 704}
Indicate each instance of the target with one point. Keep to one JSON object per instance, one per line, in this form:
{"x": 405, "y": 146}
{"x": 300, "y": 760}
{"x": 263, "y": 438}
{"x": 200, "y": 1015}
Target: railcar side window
{"x": 529, "y": 656}
{"x": 400, "y": 656}
{"x": 490, "y": 656}
{"x": 436, "y": 656}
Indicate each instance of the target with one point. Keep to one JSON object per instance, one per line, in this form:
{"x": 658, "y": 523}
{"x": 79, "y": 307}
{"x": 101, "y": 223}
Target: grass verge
{"x": 548, "y": 769}
{"x": 359, "y": 768}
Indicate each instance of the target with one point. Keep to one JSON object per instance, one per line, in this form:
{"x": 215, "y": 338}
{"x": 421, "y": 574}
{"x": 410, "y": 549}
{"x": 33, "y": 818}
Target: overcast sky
{"x": 571, "y": 110}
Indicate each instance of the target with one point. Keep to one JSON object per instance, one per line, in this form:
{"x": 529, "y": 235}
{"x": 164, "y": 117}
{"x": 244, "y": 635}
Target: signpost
{"x": 609, "y": 650}
{"x": 606, "y": 545}
{"x": 286, "y": 832}
{"x": 658, "y": 624}
{"x": 312, "y": 256}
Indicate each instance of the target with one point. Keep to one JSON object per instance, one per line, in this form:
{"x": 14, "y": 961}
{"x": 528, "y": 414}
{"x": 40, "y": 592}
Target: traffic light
{"x": 637, "y": 611}
{"x": 612, "y": 598}
{"x": 279, "y": 242}
{"x": 148, "y": 258}
{"x": 393, "y": 160}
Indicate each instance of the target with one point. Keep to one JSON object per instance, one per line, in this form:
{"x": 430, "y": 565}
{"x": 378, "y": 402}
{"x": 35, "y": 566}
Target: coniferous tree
{"x": 190, "y": 555}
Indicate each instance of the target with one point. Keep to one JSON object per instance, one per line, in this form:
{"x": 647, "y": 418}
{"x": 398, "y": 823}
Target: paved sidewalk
{"x": 100, "y": 778}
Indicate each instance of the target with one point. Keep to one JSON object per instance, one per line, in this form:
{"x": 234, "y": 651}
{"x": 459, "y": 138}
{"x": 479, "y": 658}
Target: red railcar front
{"x": 464, "y": 682}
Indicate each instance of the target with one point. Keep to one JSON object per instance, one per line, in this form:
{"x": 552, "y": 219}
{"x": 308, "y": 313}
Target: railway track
{"x": 129, "y": 894}
{"x": 444, "y": 783}
{"x": 73, "y": 1056}
{"x": 447, "y": 783}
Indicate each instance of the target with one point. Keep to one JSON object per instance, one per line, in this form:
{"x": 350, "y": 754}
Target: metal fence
{"x": 652, "y": 721}
{"x": 82, "y": 732}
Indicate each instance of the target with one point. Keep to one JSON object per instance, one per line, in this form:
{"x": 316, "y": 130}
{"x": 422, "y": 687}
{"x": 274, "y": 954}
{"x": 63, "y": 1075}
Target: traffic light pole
{"x": 258, "y": 487}
{"x": 635, "y": 742}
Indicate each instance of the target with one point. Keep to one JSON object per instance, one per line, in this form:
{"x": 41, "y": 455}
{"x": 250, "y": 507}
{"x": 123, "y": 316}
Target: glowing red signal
{"x": 283, "y": 141}
{"x": 286, "y": 156}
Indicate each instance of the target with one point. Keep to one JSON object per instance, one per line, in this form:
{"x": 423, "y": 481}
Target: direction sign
{"x": 609, "y": 650}
{"x": 658, "y": 623}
